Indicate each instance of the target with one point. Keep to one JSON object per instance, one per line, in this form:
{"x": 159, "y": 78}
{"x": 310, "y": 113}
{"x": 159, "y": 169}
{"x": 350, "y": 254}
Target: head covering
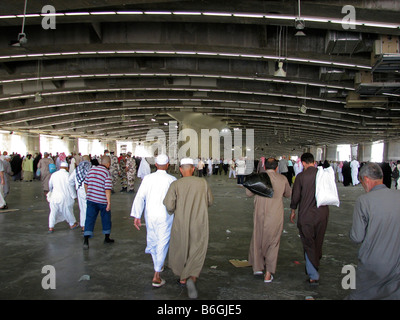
{"x": 64, "y": 164}
{"x": 81, "y": 171}
{"x": 186, "y": 161}
{"x": 162, "y": 159}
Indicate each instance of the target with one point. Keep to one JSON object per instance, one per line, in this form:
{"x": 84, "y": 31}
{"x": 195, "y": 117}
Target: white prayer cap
{"x": 64, "y": 164}
{"x": 186, "y": 161}
{"x": 162, "y": 159}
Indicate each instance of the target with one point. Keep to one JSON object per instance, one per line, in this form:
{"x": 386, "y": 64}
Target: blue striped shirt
{"x": 98, "y": 180}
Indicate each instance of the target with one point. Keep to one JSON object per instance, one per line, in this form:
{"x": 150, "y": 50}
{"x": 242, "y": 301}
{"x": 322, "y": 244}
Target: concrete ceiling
{"x": 110, "y": 67}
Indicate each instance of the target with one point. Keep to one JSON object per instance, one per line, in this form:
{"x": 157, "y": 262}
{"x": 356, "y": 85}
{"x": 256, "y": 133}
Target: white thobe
{"x": 72, "y": 165}
{"x": 62, "y": 199}
{"x": 149, "y": 198}
{"x": 354, "y": 165}
{"x": 144, "y": 169}
{"x": 81, "y": 194}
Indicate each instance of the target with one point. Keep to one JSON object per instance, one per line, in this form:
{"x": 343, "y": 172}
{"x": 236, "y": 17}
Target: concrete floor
{"x": 123, "y": 271}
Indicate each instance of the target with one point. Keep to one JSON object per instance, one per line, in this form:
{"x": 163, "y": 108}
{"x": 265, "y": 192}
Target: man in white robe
{"x": 61, "y": 198}
{"x": 76, "y": 179}
{"x": 354, "y": 165}
{"x": 144, "y": 169}
{"x": 149, "y": 198}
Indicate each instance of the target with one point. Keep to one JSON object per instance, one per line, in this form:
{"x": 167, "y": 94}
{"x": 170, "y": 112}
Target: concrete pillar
{"x": 392, "y": 148}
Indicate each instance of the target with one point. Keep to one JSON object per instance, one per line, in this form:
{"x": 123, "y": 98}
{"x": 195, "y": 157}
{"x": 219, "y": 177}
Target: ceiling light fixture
{"x": 299, "y": 24}
{"x": 22, "y": 39}
{"x": 280, "y": 72}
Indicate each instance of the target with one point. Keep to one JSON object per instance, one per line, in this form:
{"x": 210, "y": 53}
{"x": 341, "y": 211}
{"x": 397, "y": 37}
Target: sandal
{"x": 76, "y": 225}
{"x": 158, "y": 284}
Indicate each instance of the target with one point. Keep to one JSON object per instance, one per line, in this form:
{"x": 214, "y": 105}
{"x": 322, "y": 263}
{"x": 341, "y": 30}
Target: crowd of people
{"x": 176, "y": 210}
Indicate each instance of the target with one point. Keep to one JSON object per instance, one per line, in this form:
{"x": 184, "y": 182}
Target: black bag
{"x": 260, "y": 184}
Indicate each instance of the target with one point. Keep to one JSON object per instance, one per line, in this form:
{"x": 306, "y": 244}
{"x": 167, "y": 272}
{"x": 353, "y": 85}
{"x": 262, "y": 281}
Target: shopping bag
{"x": 326, "y": 193}
{"x": 52, "y": 168}
{"x": 260, "y": 184}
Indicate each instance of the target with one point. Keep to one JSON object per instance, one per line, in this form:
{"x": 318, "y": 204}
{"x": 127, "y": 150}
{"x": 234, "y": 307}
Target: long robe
{"x": 346, "y": 172}
{"x": 376, "y": 221}
{"x": 312, "y": 221}
{"x": 144, "y": 169}
{"x": 45, "y": 174}
{"x": 188, "y": 198}
{"x": 62, "y": 199}
{"x": 149, "y": 198}
{"x": 27, "y": 168}
{"x": 268, "y": 224}
{"x": 7, "y": 177}
{"x": 354, "y": 165}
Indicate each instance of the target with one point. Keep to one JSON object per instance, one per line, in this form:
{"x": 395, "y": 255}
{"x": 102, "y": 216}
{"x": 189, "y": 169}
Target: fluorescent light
{"x": 218, "y": 14}
{"x": 77, "y": 13}
{"x": 103, "y": 12}
{"x": 158, "y": 12}
{"x": 28, "y": 15}
{"x": 187, "y": 13}
{"x": 129, "y": 12}
{"x": 248, "y": 15}
{"x": 279, "y": 17}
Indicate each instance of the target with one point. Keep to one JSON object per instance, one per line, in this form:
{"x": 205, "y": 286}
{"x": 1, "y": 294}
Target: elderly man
{"x": 268, "y": 223}
{"x": 189, "y": 198}
{"x": 149, "y": 199}
{"x": 376, "y": 221}
{"x": 61, "y": 199}
{"x": 98, "y": 186}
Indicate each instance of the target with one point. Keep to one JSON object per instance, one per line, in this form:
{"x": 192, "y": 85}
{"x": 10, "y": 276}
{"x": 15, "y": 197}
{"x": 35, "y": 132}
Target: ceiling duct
{"x": 386, "y": 54}
{"x": 354, "y": 100}
{"x": 342, "y": 42}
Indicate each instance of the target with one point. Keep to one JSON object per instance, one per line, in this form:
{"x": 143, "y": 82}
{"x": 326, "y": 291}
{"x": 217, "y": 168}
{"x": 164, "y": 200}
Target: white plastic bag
{"x": 325, "y": 188}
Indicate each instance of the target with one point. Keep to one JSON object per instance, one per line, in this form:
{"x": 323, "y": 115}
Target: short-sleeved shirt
{"x": 98, "y": 180}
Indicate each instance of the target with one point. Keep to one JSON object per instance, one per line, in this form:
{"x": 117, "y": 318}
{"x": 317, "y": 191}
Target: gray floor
{"x": 123, "y": 271}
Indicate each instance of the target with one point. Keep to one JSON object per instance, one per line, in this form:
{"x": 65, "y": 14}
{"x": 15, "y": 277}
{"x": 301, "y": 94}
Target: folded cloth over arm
{"x": 260, "y": 184}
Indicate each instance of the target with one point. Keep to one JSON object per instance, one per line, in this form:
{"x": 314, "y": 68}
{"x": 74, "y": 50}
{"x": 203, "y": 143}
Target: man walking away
{"x": 188, "y": 198}
{"x": 376, "y": 221}
{"x": 62, "y": 198}
{"x": 149, "y": 199}
{"x": 268, "y": 223}
{"x": 98, "y": 186}
{"x": 312, "y": 221}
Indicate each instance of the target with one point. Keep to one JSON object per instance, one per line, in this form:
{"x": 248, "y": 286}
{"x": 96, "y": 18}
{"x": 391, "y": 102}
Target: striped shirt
{"x": 98, "y": 180}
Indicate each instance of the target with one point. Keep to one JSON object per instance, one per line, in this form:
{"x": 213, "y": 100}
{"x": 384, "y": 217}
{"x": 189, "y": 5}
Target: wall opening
{"x": 377, "y": 151}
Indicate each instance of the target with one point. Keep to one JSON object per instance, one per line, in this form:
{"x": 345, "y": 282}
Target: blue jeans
{"x": 311, "y": 271}
{"x": 92, "y": 210}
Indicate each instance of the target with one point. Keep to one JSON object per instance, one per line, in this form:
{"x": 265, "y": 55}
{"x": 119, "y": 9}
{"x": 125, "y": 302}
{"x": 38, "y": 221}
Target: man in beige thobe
{"x": 268, "y": 223}
{"x": 45, "y": 174}
{"x": 188, "y": 198}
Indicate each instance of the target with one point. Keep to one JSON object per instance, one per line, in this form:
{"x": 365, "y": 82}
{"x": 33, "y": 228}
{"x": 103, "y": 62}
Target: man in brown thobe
{"x": 312, "y": 221}
{"x": 45, "y": 174}
{"x": 188, "y": 198}
{"x": 268, "y": 223}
